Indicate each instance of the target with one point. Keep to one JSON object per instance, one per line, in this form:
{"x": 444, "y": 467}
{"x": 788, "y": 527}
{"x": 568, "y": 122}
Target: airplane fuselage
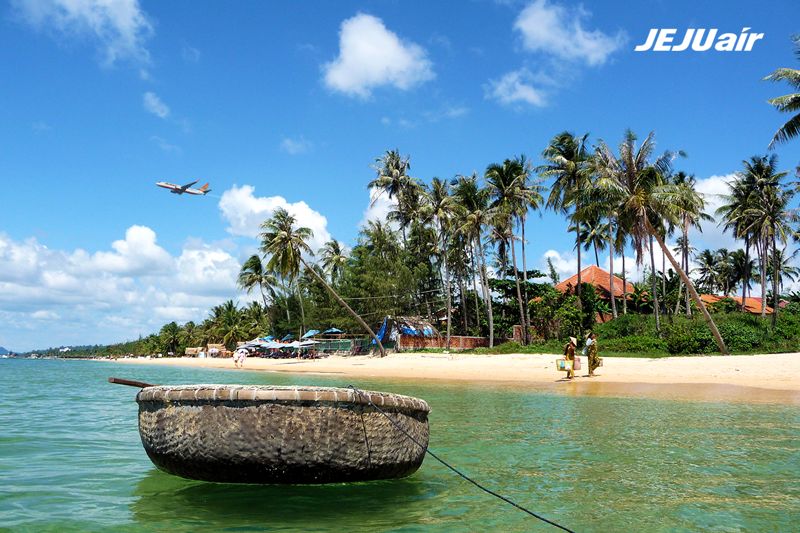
{"x": 185, "y": 189}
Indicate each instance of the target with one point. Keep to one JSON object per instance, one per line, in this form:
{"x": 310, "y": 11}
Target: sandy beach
{"x": 749, "y": 378}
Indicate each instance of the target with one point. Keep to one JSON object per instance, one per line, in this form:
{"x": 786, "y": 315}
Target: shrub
{"x": 639, "y": 344}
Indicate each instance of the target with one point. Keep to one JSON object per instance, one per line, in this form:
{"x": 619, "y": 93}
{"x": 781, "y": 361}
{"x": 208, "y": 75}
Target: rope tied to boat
{"x": 451, "y": 467}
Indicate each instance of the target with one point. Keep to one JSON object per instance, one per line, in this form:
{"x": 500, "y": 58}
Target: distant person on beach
{"x": 238, "y": 357}
{"x": 591, "y": 353}
{"x": 569, "y": 355}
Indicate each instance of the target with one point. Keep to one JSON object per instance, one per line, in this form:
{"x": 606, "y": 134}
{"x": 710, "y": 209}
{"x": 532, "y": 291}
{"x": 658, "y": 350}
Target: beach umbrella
{"x": 288, "y": 337}
{"x": 310, "y": 333}
{"x": 332, "y": 330}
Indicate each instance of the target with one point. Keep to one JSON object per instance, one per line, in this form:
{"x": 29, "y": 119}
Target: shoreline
{"x": 770, "y": 378}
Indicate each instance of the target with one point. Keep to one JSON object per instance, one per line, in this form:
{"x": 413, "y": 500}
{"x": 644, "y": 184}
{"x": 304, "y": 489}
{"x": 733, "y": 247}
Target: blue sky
{"x": 288, "y": 103}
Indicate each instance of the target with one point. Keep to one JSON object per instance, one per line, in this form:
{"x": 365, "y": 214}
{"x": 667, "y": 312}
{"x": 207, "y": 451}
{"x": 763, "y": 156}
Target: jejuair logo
{"x": 662, "y": 39}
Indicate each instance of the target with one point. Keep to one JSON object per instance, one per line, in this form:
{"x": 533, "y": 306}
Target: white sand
{"x": 756, "y": 378}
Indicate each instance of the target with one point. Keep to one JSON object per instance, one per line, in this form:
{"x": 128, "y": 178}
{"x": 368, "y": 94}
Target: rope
{"x": 454, "y": 469}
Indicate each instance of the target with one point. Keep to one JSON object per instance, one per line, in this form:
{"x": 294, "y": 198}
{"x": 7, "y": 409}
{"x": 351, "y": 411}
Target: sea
{"x": 71, "y": 460}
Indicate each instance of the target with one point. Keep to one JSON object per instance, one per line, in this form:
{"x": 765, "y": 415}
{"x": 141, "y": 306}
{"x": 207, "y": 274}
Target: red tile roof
{"x": 597, "y": 277}
{"x": 751, "y": 305}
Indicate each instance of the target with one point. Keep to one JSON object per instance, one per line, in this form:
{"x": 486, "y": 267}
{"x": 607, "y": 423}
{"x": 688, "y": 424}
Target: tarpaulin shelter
{"x": 288, "y": 336}
{"x": 405, "y": 325}
{"x": 310, "y": 333}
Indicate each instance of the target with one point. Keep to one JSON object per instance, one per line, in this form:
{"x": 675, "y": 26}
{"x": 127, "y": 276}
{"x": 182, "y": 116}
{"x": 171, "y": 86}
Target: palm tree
{"x": 254, "y": 274}
{"x": 707, "y": 270}
{"x": 441, "y": 208}
{"x": 475, "y": 216}
{"x": 567, "y": 158}
{"x": 789, "y": 103}
{"x": 504, "y": 183}
{"x": 392, "y": 178}
{"x": 640, "y": 190}
{"x": 772, "y": 223}
{"x": 691, "y": 213}
{"x": 743, "y": 270}
{"x": 170, "y": 335}
{"x": 286, "y": 245}
{"x": 334, "y": 259}
{"x": 189, "y": 333}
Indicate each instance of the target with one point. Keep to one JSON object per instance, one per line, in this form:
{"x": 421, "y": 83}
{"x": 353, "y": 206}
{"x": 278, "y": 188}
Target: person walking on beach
{"x": 569, "y": 355}
{"x": 238, "y": 357}
{"x": 591, "y": 353}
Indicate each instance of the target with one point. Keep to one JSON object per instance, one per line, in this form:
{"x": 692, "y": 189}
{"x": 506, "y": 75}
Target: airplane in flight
{"x": 181, "y": 189}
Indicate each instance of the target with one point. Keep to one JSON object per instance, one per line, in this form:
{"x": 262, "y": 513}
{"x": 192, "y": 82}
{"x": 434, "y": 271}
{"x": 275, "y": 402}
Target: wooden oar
{"x": 130, "y": 382}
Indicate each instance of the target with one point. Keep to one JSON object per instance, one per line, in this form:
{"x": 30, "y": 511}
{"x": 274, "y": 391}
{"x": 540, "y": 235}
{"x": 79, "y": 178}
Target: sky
{"x": 290, "y": 103}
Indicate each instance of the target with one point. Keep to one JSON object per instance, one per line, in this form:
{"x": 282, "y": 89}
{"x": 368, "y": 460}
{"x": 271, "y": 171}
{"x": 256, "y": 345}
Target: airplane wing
{"x": 184, "y": 187}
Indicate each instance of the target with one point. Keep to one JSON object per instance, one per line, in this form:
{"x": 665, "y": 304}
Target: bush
{"x": 686, "y": 337}
{"x": 639, "y": 344}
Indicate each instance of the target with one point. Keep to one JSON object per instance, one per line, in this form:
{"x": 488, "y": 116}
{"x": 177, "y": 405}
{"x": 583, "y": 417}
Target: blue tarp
{"x": 267, "y": 338}
{"x": 381, "y": 332}
{"x": 287, "y": 337}
{"x": 310, "y": 333}
{"x": 332, "y": 330}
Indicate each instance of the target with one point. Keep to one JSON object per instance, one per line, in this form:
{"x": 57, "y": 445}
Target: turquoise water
{"x": 71, "y": 460}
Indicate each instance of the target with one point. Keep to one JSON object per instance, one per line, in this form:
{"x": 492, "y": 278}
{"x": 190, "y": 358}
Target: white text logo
{"x": 699, "y": 40}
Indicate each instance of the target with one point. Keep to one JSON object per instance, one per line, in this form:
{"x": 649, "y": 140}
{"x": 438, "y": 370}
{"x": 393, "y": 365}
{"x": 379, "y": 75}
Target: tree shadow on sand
{"x": 163, "y": 499}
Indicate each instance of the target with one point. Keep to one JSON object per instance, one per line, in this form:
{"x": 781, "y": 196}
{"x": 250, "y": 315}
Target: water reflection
{"x": 162, "y": 499}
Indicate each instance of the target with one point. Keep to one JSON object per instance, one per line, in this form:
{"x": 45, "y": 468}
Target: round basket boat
{"x": 270, "y": 434}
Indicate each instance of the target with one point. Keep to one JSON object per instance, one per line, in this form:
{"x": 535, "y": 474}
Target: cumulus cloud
{"x": 108, "y": 295}
{"x": 136, "y": 254}
{"x": 516, "y": 88}
{"x": 555, "y": 30}
{"x": 153, "y": 104}
{"x": 244, "y": 212}
{"x": 119, "y": 28}
{"x": 371, "y": 56}
{"x": 295, "y": 146}
{"x": 378, "y": 207}
{"x": 712, "y": 236}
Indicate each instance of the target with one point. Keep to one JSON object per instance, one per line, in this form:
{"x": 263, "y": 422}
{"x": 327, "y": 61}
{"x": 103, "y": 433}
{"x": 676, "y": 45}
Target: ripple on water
{"x": 71, "y": 459}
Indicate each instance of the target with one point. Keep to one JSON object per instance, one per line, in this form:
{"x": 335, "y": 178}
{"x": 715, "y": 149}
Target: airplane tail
{"x": 205, "y": 189}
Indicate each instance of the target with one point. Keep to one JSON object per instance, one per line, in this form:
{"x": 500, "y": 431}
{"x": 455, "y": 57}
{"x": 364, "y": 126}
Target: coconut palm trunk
{"x": 446, "y": 283}
{"x": 611, "y": 275}
{"x": 686, "y": 265}
{"x": 525, "y": 284}
{"x": 654, "y": 285}
{"x": 475, "y": 286}
{"x": 624, "y": 286}
{"x": 776, "y": 275}
{"x": 302, "y": 309}
{"x": 347, "y": 307}
{"x": 763, "y": 268}
{"x": 463, "y": 291}
{"x": 519, "y": 293}
{"x": 746, "y": 276}
{"x": 486, "y": 292}
{"x": 689, "y": 287}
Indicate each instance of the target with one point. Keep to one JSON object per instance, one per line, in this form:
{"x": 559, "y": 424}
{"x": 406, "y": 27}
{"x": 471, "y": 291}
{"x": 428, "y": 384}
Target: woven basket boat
{"x": 270, "y": 434}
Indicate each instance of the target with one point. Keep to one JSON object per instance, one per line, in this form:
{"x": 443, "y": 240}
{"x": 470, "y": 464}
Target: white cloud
{"x": 78, "y": 297}
{"x": 372, "y": 56}
{"x": 137, "y": 254}
{"x": 713, "y": 188}
{"x": 295, "y": 146}
{"x": 190, "y": 54}
{"x": 165, "y": 145}
{"x": 153, "y": 104}
{"x": 558, "y": 31}
{"x": 43, "y": 314}
{"x": 119, "y": 28}
{"x": 378, "y": 207}
{"x": 245, "y": 212}
{"x": 516, "y": 87}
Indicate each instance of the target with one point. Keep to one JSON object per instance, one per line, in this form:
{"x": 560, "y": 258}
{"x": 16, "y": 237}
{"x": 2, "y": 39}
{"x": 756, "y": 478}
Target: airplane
{"x": 180, "y": 189}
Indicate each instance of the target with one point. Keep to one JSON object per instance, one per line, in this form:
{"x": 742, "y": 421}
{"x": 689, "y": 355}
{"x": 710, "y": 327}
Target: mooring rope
{"x": 454, "y": 469}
